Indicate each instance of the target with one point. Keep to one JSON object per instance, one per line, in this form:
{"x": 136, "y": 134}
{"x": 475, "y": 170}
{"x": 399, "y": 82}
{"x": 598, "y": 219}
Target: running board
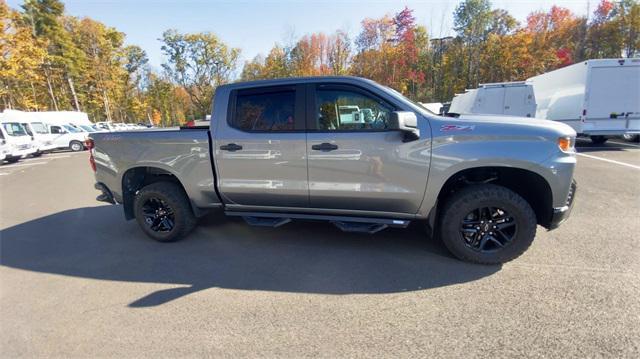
{"x": 345, "y": 223}
{"x": 266, "y": 221}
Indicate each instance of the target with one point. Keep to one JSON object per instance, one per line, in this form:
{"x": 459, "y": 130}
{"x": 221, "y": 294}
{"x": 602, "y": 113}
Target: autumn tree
{"x": 198, "y": 62}
{"x": 21, "y": 59}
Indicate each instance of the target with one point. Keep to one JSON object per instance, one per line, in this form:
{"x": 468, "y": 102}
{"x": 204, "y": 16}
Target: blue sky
{"x": 254, "y": 26}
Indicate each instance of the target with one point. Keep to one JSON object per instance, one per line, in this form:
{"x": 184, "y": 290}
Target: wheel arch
{"x": 531, "y": 186}
{"x": 137, "y": 177}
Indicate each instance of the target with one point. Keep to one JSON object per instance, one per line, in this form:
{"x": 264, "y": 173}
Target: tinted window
{"x": 350, "y": 110}
{"x": 56, "y": 129}
{"x": 273, "y": 111}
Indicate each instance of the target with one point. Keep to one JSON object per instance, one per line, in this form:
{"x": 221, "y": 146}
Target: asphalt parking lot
{"x": 76, "y": 280}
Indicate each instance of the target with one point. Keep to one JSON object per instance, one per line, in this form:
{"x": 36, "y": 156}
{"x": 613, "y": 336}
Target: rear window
{"x": 271, "y": 111}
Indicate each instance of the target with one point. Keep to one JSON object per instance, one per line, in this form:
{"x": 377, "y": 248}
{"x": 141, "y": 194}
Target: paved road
{"x": 76, "y": 280}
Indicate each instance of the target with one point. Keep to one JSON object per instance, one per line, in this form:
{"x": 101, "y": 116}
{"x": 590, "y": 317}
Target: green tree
{"x": 198, "y": 62}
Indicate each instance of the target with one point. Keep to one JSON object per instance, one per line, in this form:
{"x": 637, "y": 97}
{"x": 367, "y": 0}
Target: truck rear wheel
{"x": 598, "y": 140}
{"x": 487, "y": 224}
{"x": 163, "y": 212}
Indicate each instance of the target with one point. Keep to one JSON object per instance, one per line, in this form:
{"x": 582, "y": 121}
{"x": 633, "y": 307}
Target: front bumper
{"x": 21, "y": 152}
{"x": 562, "y": 213}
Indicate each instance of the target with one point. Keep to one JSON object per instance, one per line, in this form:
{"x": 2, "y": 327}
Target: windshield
{"x": 14, "y": 129}
{"x": 40, "y": 128}
{"x": 71, "y": 129}
{"x": 87, "y": 128}
{"x": 412, "y": 102}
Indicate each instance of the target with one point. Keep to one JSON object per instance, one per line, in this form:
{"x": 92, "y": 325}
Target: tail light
{"x": 89, "y": 144}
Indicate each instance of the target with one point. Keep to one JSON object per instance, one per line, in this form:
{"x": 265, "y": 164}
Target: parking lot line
{"x": 9, "y": 167}
{"x": 624, "y": 144}
{"x": 608, "y": 160}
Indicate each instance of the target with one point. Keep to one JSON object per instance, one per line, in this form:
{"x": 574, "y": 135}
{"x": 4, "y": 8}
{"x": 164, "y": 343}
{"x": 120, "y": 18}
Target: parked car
{"x": 276, "y": 151}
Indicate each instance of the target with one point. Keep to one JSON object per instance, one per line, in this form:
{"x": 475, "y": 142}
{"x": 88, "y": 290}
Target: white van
{"x": 501, "y": 98}
{"x": 597, "y": 98}
{"x": 68, "y": 136}
{"x": 42, "y": 137}
{"x": 17, "y": 142}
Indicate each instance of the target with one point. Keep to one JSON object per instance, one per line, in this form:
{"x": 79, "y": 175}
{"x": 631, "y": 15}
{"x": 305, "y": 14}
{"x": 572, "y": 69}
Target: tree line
{"x": 53, "y": 61}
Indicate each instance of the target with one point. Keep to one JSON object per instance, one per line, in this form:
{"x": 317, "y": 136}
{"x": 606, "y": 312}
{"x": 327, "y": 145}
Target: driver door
{"x": 356, "y": 162}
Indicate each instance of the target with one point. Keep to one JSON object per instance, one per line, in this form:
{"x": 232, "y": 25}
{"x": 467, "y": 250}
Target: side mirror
{"x": 407, "y": 122}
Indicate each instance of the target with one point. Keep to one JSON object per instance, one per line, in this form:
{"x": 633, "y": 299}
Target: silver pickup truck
{"x": 349, "y": 151}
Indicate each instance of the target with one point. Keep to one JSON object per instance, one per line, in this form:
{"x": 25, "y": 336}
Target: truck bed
{"x": 183, "y": 153}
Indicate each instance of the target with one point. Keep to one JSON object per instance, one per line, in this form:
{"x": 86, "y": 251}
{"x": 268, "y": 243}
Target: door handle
{"x": 232, "y": 147}
{"x": 324, "y": 147}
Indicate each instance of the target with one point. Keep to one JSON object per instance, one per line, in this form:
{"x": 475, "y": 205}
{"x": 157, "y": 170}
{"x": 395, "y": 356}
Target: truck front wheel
{"x": 487, "y": 224}
{"x": 163, "y": 212}
{"x": 598, "y": 140}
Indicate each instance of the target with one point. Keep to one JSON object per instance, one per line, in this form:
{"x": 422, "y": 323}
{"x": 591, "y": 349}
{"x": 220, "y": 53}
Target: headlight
{"x": 567, "y": 144}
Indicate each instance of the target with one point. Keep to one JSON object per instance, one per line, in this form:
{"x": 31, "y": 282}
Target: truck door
{"x": 355, "y": 161}
{"x": 260, "y": 150}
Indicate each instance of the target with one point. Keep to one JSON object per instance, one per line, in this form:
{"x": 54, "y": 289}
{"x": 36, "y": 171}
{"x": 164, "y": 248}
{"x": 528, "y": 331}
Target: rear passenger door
{"x": 261, "y": 149}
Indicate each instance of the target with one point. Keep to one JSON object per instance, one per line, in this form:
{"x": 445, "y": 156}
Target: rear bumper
{"x": 560, "y": 214}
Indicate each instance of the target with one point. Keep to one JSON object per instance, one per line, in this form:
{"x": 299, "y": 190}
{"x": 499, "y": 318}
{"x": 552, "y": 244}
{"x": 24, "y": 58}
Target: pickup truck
{"x": 276, "y": 151}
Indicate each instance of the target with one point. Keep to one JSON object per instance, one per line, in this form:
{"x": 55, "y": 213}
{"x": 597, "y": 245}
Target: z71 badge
{"x": 447, "y": 128}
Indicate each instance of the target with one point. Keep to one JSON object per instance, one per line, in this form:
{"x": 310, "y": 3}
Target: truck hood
{"x": 524, "y": 123}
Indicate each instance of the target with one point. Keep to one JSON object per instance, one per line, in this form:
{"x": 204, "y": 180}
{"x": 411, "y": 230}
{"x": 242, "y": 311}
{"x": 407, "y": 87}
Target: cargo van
{"x": 17, "y": 142}
{"x": 501, "y": 98}
{"x": 598, "y": 98}
{"x": 42, "y": 137}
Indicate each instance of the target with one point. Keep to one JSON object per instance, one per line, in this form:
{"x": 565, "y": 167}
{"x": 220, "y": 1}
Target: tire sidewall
{"x": 507, "y": 200}
{"x": 79, "y": 148}
{"x": 179, "y": 217}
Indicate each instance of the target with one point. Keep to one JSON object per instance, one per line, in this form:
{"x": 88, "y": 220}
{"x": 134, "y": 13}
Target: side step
{"x": 266, "y": 221}
{"x": 345, "y": 223}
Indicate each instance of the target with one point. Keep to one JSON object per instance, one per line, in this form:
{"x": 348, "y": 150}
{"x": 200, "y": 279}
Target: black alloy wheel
{"x": 158, "y": 215}
{"x": 488, "y": 229}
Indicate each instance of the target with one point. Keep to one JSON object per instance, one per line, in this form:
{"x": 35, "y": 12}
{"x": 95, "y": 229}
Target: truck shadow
{"x": 302, "y": 257}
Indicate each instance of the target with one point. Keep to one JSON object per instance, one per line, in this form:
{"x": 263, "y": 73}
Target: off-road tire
{"x": 477, "y": 196}
{"x": 598, "y": 140}
{"x": 175, "y": 197}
